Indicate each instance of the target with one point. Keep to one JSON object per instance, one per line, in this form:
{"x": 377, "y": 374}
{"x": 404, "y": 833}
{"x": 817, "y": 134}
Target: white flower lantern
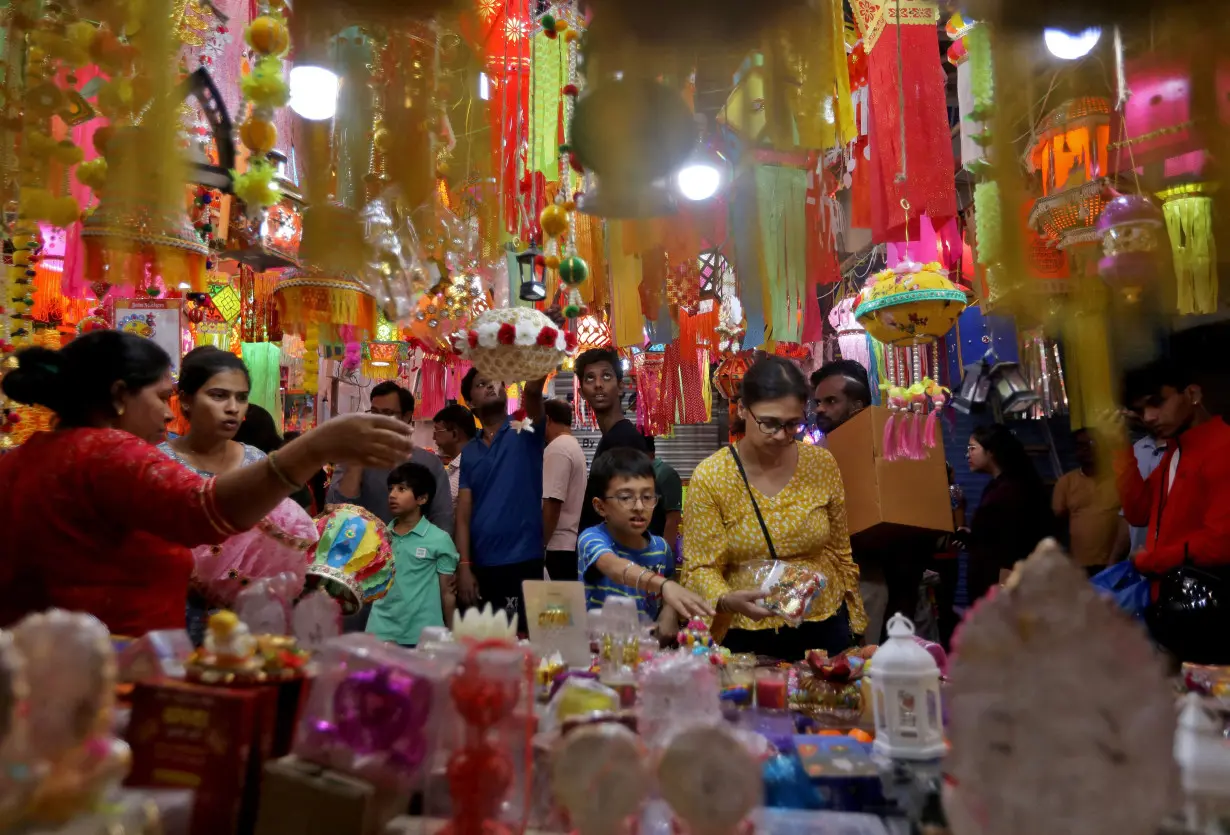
{"x": 905, "y": 687}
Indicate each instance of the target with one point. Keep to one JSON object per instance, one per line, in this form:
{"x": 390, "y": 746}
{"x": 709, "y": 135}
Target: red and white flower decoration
{"x": 521, "y": 422}
{"x": 525, "y": 335}
{"x": 515, "y": 343}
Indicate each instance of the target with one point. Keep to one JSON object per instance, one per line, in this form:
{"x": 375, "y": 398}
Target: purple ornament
{"x": 1131, "y": 226}
{"x": 375, "y": 709}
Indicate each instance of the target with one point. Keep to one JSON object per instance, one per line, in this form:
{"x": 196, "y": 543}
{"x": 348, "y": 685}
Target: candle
{"x": 771, "y": 689}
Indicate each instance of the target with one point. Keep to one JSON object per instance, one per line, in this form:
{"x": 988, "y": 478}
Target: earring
{"x": 119, "y": 410}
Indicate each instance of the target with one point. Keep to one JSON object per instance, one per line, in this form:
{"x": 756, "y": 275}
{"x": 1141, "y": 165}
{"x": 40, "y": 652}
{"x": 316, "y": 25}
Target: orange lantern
{"x": 1071, "y": 145}
{"x": 728, "y": 376}
{"x": 592, "y": 332}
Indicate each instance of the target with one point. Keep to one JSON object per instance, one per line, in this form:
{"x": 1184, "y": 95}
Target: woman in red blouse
{"x": 95, "y": 519}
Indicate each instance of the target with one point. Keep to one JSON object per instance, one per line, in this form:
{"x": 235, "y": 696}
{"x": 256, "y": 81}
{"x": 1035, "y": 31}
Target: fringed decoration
{"x": 930, "y": 429}
{"x": 889, "y": 441}
{"x": 780, "y": 199}
{"x": 650, "y": 417}
{"x": 1189, "y": 221}
{"x": 547, "y": 79}
{"x": 627, "y": 322}
{"x": 698, "y": 331}
{"x": 264, "y": 362}
{"x": 306, "y": 298}
{"x": 591, "y": 246}
{"x": 431, "y": 389}
{"x": 311, "y": 359}
{"x": 749, "y": 265}
{"x": 457, "y": 369}
{"x": 680, "y": 395}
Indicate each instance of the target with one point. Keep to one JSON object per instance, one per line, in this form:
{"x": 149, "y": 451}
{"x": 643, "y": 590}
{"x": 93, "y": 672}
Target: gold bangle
{"x": 279, "y": 472}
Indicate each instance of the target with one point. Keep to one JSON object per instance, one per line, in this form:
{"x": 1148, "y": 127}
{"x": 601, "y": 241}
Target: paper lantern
{"x": 1070, "y": 148}
{"x": 1131, "y": 226}
{"x": 1070, "y": 217}
{"x": 353, "y": 561}
{"x": 728, "y": 376}
{"x": 1188, "y": 210}
{"x": 911, "y": 303}
{"x": 905, "y": 686}
{"x": 308, "y": 297}
{"x": 592, "y": 332}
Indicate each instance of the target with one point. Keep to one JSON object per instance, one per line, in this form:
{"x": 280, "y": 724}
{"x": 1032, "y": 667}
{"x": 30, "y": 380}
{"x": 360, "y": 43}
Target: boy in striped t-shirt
{"x": 620, "y": 557}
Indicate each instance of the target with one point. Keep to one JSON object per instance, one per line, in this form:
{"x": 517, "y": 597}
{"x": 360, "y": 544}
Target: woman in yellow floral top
{"x": 799, "y": 492}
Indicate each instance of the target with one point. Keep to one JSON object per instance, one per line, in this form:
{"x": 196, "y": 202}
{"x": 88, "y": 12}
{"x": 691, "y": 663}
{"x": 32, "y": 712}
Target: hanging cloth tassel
{"x": 264, "y": 362}
{"x": 781, "y": 195}
{"x": 1189, "y": 221}
{"x": 627, "y": 323}
{"x": 431, "y": 387}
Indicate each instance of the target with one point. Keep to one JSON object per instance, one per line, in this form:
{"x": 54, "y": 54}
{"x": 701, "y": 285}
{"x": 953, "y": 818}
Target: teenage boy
{"x": 424, "y": 561}
{"x": 1185, "y": 502}
{"x": 601, "y": 377}
{"x": 620, "y": 557}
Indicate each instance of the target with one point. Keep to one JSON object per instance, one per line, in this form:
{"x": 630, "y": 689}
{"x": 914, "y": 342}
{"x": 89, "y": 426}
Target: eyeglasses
{"x": 771, "y": 426}
{"x": 629, "y": 500}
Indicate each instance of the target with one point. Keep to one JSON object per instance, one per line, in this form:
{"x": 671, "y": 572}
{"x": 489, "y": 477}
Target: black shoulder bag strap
{"x": 759, "y": 518}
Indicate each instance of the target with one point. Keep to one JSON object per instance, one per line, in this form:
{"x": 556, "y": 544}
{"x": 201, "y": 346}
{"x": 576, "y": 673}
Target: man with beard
{"x": 499, "y": 498}
{"x": 888, "y": 576}
{"x": 601, "y": 378}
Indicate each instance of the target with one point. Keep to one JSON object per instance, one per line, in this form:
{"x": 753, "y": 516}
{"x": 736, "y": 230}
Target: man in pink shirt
{"x": 563, "y": 491}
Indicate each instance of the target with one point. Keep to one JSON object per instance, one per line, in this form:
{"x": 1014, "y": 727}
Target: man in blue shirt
{"x": 499, "y": 498}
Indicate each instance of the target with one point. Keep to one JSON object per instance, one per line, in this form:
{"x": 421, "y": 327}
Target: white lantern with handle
{"x": 905, "y": 687}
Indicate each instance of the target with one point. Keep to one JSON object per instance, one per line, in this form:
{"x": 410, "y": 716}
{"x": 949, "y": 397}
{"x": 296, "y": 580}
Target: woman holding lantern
{"x": 97, "y": 519}
{"x": 770, "y": 497}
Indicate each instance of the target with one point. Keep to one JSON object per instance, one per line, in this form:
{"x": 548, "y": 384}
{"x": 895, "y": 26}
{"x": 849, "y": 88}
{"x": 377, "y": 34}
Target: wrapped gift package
{"x": 842, "y": 771}
{"x": 213, "y": 740}
{"x": 302, "y": 798}
{"x": 888, "y": 500}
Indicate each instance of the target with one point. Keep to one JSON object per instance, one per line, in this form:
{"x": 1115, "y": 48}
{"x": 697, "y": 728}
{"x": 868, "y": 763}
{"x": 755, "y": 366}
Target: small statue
{"x": 228, "y": 641}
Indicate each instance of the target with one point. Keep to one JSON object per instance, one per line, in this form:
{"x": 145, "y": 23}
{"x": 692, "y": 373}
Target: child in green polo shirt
{"x": 424, "y": 558}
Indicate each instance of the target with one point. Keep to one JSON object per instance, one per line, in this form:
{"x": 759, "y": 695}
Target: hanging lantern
{"x": 728, "y": 376}
{"x": 912, "y": 302}
{"x": 382, "y": 360}
{"x": 269, "y": 240}
{"x": 592, "y": 332}
{"x": 126, "y": 241}
{"x": 532, "y": 270}
{"x": 307, "y": 297}
{"x": 1131, "y": 225}
{"x": 905, "y": 687}
{"x": 1188, "y": 212}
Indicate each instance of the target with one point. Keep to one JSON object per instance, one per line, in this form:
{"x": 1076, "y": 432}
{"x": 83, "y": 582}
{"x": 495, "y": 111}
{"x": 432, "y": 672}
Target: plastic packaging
{"x": 790, "y": 589}
{"x": 369, "y": 711}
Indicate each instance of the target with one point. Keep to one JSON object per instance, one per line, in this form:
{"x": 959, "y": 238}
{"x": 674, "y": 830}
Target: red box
{"x": 213, "y": 740}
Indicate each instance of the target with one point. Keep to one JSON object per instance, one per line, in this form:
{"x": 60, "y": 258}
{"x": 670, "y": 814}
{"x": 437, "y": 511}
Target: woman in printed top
{"x": 620, "y": 557}
{"x": 797, "y": 490}
{"x": 98, "y": 520}
{"x": 213, "y": 397}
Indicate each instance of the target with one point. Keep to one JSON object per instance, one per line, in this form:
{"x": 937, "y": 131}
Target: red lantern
{"x": 728, "y": 376}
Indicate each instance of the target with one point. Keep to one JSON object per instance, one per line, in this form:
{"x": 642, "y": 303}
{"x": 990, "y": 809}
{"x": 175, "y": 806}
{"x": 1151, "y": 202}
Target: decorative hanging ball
{"x": 571, "y": 35}
{"x": 540, "y": 261}
{"x": 554, "y": 220}
{"x": 572, "y": 311}
{"x": 575, "y": 164}
{"x": 570, "y": 205}
{"x": 552, "y": 261}
{"x": 152, "y": 292}
{"x": 1132, "y": 229}
{"x": 259, "y": 136}
{"x": 548, "y": 23}
{"x": 570, "y": 90}
{"x": 268, "y": 35}
{"x": 561, "y": 26}
{"x": 573, "y": 270}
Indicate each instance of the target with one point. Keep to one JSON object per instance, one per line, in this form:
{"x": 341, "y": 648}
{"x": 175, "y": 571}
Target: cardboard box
{"x": 888, "y": 500}
{"x": 213, "y": 740}
{"x": 301, "y": 798}
{"x": 842, "y": 771}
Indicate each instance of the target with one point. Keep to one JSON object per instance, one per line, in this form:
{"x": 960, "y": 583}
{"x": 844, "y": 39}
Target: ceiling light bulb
{"x": 1067, "y": 46}
{"x": 699, "y": 180}
{"x": 183, "y": 285}
{"x": 313, "y": 92}
{"x": 380, "y": 364}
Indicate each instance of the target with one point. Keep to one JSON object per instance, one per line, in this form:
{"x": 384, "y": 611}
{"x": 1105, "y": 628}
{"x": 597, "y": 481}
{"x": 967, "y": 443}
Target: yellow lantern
{"x": 911, "y": 303}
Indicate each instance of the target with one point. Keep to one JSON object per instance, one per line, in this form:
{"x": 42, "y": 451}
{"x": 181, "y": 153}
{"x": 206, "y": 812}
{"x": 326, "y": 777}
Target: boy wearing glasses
{"x": 620, "y": 557}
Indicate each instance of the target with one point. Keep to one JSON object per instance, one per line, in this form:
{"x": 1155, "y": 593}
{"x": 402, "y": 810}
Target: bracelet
{"x": 637, "y": 585}
{"x": 279, "y": 472}
{"x": 720, "y": 605}
{"x": 463, "y": 562}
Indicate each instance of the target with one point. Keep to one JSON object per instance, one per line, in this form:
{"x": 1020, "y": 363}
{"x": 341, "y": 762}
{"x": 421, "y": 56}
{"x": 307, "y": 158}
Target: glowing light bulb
{"x": 380, "y": 364}
{"x": 1067, "y": 46}
{"x": 313, "y": 92}
{"x": 183, "y": 285}
{"x": 699, "y": 180}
